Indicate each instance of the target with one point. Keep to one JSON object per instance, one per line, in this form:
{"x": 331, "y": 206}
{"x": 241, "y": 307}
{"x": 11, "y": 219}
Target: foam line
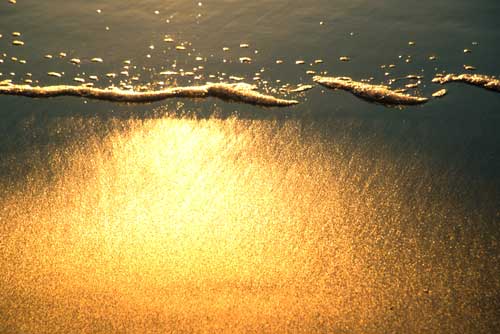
{"x": 233, "y": 92}
{"x": 479, "y": 80}
{"x": 373, "y": 93}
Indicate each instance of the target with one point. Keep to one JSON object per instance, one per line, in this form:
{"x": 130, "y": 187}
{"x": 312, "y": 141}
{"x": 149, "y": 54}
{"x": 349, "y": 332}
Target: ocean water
{"x": 203, "y": 215}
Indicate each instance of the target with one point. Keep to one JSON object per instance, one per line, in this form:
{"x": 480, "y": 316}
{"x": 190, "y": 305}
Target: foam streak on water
{"x": 479, "y": 80}
{"x": 235, "y": 92}
{"x": 372, "y": 93}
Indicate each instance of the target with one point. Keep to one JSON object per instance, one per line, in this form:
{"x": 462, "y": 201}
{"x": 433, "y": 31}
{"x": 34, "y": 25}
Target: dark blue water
{"x": 421, "y": 204}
